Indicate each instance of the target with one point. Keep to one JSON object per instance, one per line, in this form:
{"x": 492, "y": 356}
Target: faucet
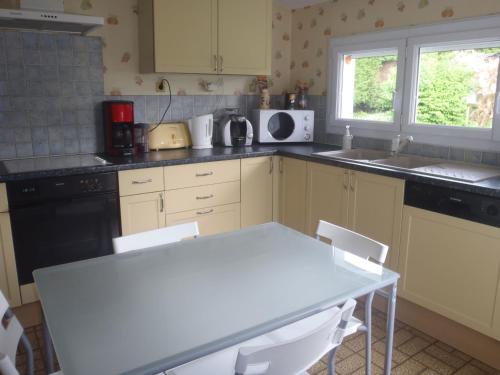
{"x": 399, "y": 144}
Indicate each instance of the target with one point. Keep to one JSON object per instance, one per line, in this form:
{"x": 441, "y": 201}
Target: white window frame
{"x": 480, "y": 29}
{"x": 367, "y": 49}
{"x": 453, "y": 40}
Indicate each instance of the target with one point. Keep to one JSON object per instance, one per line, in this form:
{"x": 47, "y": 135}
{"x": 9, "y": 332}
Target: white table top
{"x": 145, "y": 311}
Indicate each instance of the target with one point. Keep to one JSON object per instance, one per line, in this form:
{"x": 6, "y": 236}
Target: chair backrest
{"x": 352, "y": 242}
{"x": 10, "y": 334}
{"x": 156, "y": 237}
{"x": 296, "y": 356}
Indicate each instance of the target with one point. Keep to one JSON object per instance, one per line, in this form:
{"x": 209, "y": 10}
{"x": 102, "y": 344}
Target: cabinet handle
{"x": 346, "y": 178}
{"x": 162, "y": 204}
{"x": 281, "y": 166}
{"x": 221, "y": 59}
{"x": 205, "y": 212}
{"x": 204, "y": 174}
{"x": 149, "y": 180}
{"x": 205, "y": 197}
{"x": 216, "y": 65}
{"x": 271, "y": 165}
{"x": 352, "y": 182}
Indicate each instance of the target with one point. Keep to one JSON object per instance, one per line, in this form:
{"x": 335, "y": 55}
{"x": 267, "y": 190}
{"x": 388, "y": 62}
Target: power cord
{"x": 161, "y": 86}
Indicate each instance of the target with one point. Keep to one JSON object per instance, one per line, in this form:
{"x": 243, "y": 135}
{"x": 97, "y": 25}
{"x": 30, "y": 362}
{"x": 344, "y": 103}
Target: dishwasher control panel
{"x": 461, "y": 204}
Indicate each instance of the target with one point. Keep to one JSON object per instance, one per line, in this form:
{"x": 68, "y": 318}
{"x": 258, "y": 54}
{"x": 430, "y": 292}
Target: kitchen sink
{"x": 359, "y": 154}
{"x": 406, "y": 162}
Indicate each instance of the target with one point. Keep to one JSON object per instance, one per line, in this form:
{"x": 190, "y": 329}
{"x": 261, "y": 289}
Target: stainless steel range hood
{"x": 48, "y": 21}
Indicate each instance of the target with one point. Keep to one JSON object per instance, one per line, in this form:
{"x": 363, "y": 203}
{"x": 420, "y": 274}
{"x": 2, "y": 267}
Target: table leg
{"x": 49, "y": 349}
{"x": 391, "y": 317}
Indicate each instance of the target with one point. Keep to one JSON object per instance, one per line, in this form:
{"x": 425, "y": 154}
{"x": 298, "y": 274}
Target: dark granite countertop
{"x": 489, "y": 187}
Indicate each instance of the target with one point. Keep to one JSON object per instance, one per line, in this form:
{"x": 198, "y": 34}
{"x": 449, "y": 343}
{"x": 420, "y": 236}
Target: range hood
{"x": 48, "y": 21}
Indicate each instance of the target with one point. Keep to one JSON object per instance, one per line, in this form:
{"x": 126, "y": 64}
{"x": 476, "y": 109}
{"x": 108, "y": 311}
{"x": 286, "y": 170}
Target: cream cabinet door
{"x": 143, "y": 212}
{"x": 210, "y": 220}
{"x": 256, "y": 191}
{"x": 452, "y": 267}
{"x": 245, "y": 37}
{"x": 9, "y": 284}
{"x": 293, "y": 193}
{"x": 185, "y": 36}
{"x": 376, "y": 209}
{"x": 327, "y": 195}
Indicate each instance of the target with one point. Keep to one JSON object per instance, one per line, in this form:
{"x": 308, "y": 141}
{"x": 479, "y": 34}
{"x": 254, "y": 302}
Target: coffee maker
{"x": 119, "y": 127}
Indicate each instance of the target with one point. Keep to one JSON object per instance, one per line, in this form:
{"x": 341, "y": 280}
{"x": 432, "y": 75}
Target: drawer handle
{"x": 204, "y": 174}
{"x": 162, "y": 204}
{"x": 205, "y": 212}
{"x": 205, "y": 197}
{"x": 149, "y": 180}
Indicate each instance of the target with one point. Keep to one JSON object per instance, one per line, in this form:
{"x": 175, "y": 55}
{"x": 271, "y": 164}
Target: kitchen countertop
{"x": 489, "y": 187}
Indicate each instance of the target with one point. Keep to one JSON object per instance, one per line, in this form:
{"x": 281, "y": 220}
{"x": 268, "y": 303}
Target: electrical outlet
{"x": 161, "y": 86}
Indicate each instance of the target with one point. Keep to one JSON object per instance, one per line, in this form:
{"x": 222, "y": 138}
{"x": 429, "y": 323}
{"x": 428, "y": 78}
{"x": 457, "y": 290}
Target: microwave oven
{"x": 283, "y": 126}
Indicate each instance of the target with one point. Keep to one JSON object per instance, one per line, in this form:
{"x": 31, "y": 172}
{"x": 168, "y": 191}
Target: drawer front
{"x": 182, "y": 176}
{"x": 211, "y": 220}
{"x": 140, "y": 181}
{"x": 202, "y": 196}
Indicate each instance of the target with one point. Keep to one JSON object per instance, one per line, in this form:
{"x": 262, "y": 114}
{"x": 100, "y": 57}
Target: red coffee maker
{"x": 119, "y": 127}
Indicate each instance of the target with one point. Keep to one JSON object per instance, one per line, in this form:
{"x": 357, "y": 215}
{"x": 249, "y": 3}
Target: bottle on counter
{"x": 347, "y": 139}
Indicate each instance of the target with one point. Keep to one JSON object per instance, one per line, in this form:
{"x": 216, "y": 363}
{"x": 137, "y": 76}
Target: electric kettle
{"x": 201, "y": 129}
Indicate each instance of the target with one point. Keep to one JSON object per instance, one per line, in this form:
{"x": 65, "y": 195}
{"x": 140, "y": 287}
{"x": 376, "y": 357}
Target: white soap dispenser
{"x": 347, "y": 138}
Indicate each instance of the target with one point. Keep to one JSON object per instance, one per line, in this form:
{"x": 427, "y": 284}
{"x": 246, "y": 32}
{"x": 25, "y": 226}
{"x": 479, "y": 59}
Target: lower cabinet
{"x": 256, "y": 191}
{"x": 293, "y": 173}
{"x": 452, "y": 267}
{"x": 363, "y": 202}
{"x": 9, "y": 284}
{"x": 142, "y": 212}
{"x": 210, "y": 220}
{"x": 327, "y": 196}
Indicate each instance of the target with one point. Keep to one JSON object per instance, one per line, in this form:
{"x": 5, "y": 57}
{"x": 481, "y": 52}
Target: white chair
{"x": 156, "y": 237}
{"x": 11, "y": 333}
{"x": 262, "y": 355}
{"x": 363, "y": 247}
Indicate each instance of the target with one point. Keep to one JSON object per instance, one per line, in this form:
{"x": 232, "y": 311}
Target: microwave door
{"x": 281, "y": 126}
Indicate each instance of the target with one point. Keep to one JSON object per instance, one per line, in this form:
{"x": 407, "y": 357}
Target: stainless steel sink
{"x": 359, "y": 154}
{"x": 406, "y": 162}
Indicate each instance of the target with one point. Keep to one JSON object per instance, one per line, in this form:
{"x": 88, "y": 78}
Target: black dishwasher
{"x": 62, "y": 220}
{"x": 461, "y": 204}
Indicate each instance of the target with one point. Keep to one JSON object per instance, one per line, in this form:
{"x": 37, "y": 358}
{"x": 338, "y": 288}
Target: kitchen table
{"x": 147, "y": 311}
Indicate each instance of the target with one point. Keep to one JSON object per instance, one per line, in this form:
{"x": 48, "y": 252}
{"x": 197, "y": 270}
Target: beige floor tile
{"x": 375, "y": 371}
{"x": 444, "y": 346}
{"x": 409, "y": 367}
{"x": 428, "y": 372}
{"x": 469, "y": 370}
{"x": 422, "y": 335}
{"x": 433, "y": 363}
{"x": 343, "y": 352}
{"x": 413, "y": 346}
{"x": 318, "y": 367}
{"x": 397, "y": 356}
{"x": 356, "y": 344}
{"x": 378, "y": 332}
{"x": 377, "y": 359}
{"x": 445, "y": 356}
{"x": 350, "y": 364}
{"x": 461, "y": 355}
{"x": 484, "y": 367}
{"x": 401, "y": 336}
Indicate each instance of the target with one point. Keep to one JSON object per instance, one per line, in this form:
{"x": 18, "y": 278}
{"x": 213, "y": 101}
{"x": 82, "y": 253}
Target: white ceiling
{"x": 293, "y": 4}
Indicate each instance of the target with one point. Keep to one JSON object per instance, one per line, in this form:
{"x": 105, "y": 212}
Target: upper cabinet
{"x": 205, "y": 36}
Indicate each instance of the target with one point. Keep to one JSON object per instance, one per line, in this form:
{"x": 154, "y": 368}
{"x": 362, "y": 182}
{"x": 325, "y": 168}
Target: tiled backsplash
{"x": 49, "y": 87}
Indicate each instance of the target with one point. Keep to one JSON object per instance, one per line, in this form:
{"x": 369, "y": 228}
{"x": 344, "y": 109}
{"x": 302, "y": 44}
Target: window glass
{"x": 368, "y": 86}
{"x": 457, "y": 86}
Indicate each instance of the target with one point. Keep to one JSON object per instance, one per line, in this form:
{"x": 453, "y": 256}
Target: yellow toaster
{"x": 169, "y": 136}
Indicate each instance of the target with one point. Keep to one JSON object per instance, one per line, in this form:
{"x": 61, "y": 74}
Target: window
{"x": 438, "y": 81}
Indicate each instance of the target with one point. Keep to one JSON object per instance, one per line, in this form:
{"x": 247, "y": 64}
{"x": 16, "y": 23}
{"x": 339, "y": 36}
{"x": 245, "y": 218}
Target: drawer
{"x": 140, "y": 181}
{"x": 211, "y": 220}
{"x": 4, "y": 203}
{"x": 202, "y": 196}
{"x": 181, "y": 176}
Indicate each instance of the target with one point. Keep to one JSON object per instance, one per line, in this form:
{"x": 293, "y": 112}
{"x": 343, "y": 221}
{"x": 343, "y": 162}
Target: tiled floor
{"x": 414, "y": 353}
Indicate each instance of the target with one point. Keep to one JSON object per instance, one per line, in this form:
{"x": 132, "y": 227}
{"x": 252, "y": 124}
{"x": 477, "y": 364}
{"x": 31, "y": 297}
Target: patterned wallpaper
{"x": 313, "y": 26}
{"x": 121, "y": 49}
